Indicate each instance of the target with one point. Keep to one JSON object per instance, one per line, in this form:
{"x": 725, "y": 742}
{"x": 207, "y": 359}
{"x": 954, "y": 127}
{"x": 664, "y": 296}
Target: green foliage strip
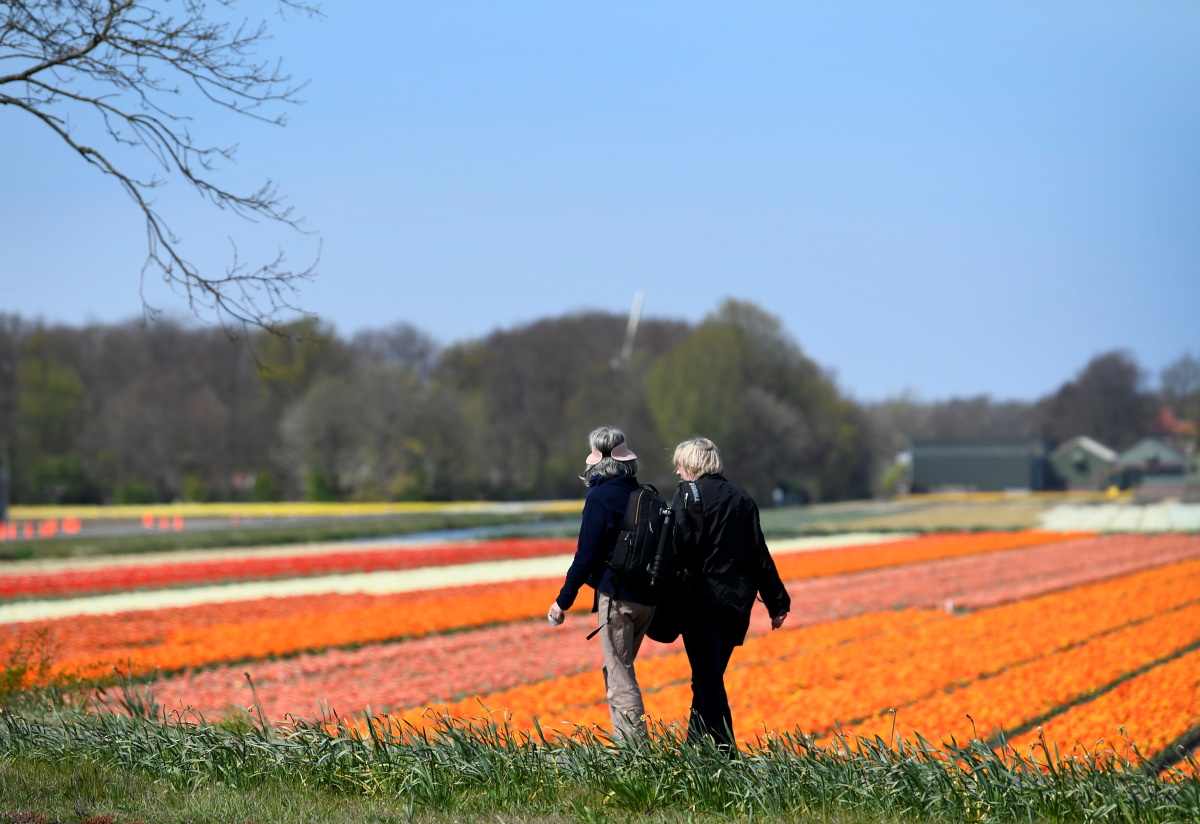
{"x": 484, "y": 766}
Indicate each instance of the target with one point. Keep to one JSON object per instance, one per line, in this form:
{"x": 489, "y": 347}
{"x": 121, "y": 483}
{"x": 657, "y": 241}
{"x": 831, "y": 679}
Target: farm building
{"x": 1082, "y": 463}
{"x": 985, "y": 465}
{"x": 1158, "y": 471}
{"x": 1148, "y": 457}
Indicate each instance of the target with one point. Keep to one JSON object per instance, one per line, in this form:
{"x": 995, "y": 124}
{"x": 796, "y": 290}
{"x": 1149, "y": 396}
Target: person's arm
{"x": 766, "y": 578}
{"x": 590, "y": 552}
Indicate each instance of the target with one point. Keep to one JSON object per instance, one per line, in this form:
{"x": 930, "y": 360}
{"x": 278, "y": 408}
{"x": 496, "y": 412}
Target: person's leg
{"x": 620, "y": 639}
{"x": 709, "y": 653}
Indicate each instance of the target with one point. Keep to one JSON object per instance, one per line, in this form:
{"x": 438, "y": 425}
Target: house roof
{"x": 1150, "y": 450}
{"x": 1167, "y": 423}
{"x": 1084, "y": 442}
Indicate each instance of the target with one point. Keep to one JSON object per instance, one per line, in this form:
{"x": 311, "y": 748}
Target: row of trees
{"x": 1109, "y": 401}
{"x": 160, "y": 412}
{"x": 133, "y": 413}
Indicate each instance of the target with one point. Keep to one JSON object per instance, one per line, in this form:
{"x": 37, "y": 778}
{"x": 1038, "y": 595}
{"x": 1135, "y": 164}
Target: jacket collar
{"x": 596, "y": 480}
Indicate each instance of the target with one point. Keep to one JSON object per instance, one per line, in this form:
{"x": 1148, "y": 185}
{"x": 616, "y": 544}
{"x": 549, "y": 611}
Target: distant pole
{"x": 635, "y": 316}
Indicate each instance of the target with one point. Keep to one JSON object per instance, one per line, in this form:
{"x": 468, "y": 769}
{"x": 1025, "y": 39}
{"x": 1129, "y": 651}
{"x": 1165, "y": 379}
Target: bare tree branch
{"x": 131, "y": 69}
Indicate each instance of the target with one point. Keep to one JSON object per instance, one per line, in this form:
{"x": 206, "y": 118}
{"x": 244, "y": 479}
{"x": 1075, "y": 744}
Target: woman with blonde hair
{"x": 720, "y": 543}
{"x": 624, "y": 608}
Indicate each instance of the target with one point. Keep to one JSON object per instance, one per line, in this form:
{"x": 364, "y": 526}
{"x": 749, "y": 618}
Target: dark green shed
{"x": 984, "y": 465}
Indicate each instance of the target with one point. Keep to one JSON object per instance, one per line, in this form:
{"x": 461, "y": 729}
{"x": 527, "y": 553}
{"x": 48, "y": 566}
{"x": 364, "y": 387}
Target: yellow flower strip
{"x": 925, "y": 548}
{"x": 1154, "y": 708}
{"x": 1022, "y": 693}
{"x": 784, "y": 680}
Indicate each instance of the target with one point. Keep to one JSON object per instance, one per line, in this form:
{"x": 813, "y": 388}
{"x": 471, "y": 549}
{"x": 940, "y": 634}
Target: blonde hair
{"x": 699, "y": 456}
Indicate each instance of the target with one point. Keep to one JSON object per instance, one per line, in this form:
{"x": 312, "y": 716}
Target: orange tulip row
{"x": 174, "y": 642}
{"x": 1152, "y": 710}
{"x": 178, "y": 638}
{"x": 925, "y": 548}
{"x": 1025, "y": 692}
{"x": 868, "y": 677}
{"x": 804, "y": 678}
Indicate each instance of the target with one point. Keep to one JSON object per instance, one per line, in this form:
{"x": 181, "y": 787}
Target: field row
{"x": 934, "y": 667}
{"x": 284, "y": 509}
{"x": 178, "y": 638}
{"x": 418, "y": 671}
{"x": 960, "y": 634}
{"x": 134, "y": 576}
{"x": 125, "y": 576}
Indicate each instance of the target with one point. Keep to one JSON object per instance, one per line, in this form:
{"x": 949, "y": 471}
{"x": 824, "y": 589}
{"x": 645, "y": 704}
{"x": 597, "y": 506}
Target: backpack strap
{"x": 629, "y": 520}
{"x": 607, "y": 619}
{"x": 628, "y": 524}
{"x": 693, "y": 508}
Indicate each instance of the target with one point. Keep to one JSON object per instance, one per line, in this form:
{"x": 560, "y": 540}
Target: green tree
{"x": 322, "y": 434}
{"x": 289, "y": 362}
{"x": 525, "y": 379}
{"x": 51, "y": 414}
{"x": 51, "y": 407}
{"x": 779, "y": 420}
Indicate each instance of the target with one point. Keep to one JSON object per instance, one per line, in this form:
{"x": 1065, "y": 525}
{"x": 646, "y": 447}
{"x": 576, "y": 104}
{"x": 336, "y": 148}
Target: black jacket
{"x": 719, "y": 541}
{"x": 603, "y": 511}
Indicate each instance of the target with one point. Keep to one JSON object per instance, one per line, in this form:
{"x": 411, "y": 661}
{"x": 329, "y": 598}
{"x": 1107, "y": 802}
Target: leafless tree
{"x": 1106, "y": 401}
{"x": 109, "y": 75}
{"x": 400, "y": 344}
{"x": 1181, "y": 386}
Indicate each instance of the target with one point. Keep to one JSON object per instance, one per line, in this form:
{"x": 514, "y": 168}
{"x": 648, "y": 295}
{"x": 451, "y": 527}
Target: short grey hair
{"x": 604, "y": 439}
{"x": 699, "y": 456}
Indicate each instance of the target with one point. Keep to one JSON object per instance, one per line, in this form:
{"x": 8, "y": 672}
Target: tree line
{"x": 139, "y": 413}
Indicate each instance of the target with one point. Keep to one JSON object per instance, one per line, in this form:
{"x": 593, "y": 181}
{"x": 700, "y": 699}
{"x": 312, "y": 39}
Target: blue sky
{"x": 946, "y": 198}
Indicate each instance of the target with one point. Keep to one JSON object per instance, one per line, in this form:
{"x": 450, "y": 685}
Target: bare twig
{"x": 118, "y": 66}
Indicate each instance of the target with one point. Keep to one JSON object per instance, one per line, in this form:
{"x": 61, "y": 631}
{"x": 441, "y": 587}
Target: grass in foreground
{"x": 132, "y": 761}
{"x": 34, "y": 791}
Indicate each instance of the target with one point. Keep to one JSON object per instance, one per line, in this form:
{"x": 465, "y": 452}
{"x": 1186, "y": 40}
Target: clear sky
{"x": 950, "y": 198}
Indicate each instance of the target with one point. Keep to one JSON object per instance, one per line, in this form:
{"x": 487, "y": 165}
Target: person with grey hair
{"x": 624, "y": 608}
{"x": 719, "y": 541}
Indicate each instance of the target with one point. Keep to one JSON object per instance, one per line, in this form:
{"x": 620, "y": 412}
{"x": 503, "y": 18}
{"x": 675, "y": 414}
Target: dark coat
{"x": 603, "y": 511}
{"x": 719, "y": 541}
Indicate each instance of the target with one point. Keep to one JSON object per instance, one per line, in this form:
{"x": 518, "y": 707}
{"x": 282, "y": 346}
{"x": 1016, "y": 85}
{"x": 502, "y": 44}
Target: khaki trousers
{"x": 620, "y": 639}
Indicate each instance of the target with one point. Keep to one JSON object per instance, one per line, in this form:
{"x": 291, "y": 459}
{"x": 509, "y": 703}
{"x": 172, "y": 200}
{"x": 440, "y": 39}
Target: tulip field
{"x": 1086, "y": 641}
{"x": 1006, "y": 676}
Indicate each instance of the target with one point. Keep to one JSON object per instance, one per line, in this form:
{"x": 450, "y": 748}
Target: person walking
{"x": 624, "y": 608}
{"x": 719, "y": 542}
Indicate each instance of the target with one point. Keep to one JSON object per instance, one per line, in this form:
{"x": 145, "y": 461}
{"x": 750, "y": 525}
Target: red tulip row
{"x": 119, "y": 578}
{"x": 124, "y": 577}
